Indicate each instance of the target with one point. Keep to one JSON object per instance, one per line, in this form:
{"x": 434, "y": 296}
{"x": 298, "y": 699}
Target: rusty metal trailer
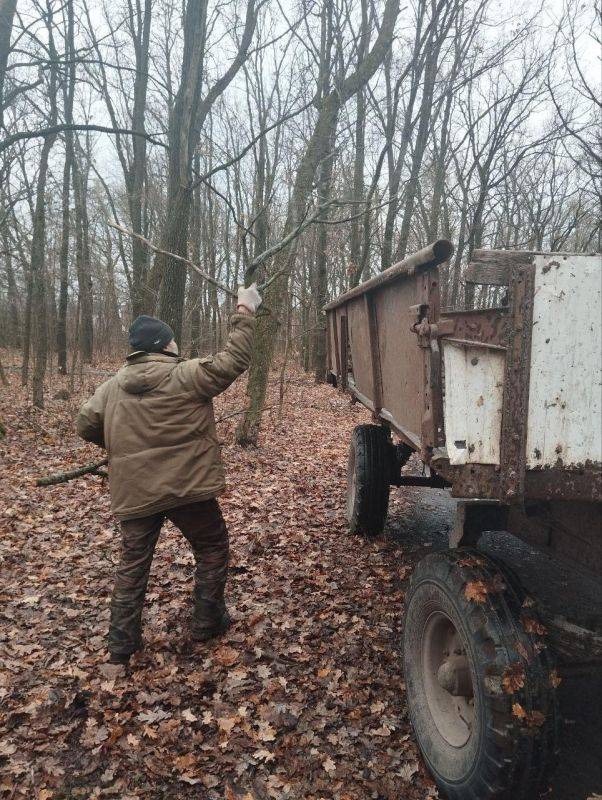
{"x": 504, "y": 406}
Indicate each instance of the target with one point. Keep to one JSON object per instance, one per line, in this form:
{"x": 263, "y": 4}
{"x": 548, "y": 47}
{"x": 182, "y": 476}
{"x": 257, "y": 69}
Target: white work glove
{"x": 249, "y": 298}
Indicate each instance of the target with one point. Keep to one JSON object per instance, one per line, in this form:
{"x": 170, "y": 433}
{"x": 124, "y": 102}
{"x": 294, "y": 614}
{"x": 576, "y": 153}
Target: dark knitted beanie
{"x": 149, "y": 334}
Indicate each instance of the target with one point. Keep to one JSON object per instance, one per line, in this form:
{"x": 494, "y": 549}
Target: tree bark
{"x": 186, "y": 122}
{"x": 315, "y": 151}
{"x": 7, "y": 14}
{"x": 61, "y": 327}
{"x": 38, "y": 239}
{"x": 83, "y": 263}
{"x": 38, "y": 275}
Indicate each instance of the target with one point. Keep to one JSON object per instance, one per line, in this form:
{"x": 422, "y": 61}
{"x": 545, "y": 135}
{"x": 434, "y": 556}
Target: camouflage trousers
{"x": 203, "y": 526}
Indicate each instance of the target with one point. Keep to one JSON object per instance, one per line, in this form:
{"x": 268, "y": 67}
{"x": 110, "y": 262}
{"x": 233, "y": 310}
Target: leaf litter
{"x": 303, "y": 698}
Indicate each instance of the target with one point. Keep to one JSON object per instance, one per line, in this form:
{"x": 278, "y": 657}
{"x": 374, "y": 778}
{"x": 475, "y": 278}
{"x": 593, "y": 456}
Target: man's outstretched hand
{"x": 249, "y": 299}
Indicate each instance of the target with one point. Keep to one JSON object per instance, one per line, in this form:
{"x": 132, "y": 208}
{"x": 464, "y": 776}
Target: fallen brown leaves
{"x": 513, "y": 678}
{"x": 302, "y": 699}
{"x": 478, "y": 591}
{"x": 532, "y": 719}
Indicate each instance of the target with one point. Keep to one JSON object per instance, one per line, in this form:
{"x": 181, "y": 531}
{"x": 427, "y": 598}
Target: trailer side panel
{"x": 565, "y": 392}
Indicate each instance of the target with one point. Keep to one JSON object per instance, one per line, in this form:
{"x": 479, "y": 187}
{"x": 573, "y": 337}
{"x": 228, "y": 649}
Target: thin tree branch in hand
{"x": 176, "y": 257}
{"x": 63, "y": 477}
{"x": 315, "y": 218}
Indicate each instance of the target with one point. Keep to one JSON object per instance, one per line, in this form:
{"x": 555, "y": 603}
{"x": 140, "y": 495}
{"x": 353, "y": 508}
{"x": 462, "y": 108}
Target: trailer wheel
{"x": 480, "y": 688}
{"x": 368, "y": 479}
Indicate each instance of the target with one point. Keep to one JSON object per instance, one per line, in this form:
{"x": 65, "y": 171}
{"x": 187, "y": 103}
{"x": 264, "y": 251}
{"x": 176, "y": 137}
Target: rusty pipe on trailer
{"x": 429, "y": 256}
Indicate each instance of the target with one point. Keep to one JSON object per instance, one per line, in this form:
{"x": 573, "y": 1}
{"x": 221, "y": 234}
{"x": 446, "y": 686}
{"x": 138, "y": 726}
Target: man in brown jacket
{"x": 155, "y": 419}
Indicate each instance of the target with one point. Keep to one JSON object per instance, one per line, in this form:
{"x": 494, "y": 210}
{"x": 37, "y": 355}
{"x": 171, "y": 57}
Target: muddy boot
{"x": 210, "y": 620}
{"x": 124, "y": 658}
{"x": 120, "y": 658}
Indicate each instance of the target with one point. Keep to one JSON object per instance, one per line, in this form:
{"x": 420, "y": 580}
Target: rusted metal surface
{"x": 571, "y": 529}
{"x": 344, "y": 351}
{"x": 433, "y": 254}
{"x": 400, "y": 357}
{"x": 473, "y": 518}
{"x": 471, "y": 480}
{"x": 377, "y": 386}
{"x": 557, "y": 483}
{"x": 516, "y": 384}
{"x": 335, "y": 347}
{"x": 397, "y": 336}
{"x": 489, "y": 326}
{"x": 565, "y": 390}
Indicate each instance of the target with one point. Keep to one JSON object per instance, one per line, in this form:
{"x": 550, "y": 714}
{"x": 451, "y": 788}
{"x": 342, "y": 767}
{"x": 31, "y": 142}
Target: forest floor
{"x": 303, "y": 698}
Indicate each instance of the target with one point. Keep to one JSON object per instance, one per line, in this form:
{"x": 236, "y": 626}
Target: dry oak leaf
{"x": 533, "y": 719}
{"x": 513, "y": 678}
{"x": 112, "y": 671}
{"x": 329, "y": 766}
{"x": 149, "y": 732}
{"x": 185, "y": 762}
{"x": 471, "y": 561}
{"x": 476, "y": 591}
{"x": 226, "y": 656}
{"x": 186, "y": 778}
{"x": 154, "y": 715}
{"x": 408, "y": 770}
{"x": 533, "y": 626}
{"x": 263, "y": 755}
{"x": 226, "y": 724}
{"x": 555, "y": 679}
{"x": 265, "y": 732}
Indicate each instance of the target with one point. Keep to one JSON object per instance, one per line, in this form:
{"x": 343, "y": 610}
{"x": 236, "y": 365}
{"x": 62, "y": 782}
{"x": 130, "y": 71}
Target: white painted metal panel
{"x": 565, "y": 389}
{"x": 474, "y": 383}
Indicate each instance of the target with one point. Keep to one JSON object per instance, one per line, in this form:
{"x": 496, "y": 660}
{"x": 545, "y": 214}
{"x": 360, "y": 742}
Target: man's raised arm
{"x": 211, "y": 376}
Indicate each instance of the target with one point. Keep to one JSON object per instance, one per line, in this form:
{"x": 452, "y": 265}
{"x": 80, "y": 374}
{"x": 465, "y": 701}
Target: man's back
{"x": 155, "y": 418}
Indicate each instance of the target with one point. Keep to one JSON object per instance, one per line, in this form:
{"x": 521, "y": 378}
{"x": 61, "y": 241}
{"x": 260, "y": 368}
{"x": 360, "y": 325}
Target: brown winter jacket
{"x": 155, "y": 418}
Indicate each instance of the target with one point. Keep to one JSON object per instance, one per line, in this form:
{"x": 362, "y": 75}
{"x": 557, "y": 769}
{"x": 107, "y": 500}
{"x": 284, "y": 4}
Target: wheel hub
{"x": 448, "y": 680}
{"x": 454, "y": 676}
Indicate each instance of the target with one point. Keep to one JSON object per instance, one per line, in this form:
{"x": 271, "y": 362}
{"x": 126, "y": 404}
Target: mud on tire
{"x": 368, "y": 479}
{"x": 497, "y": 744}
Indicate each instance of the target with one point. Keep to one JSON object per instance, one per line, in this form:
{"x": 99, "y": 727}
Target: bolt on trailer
{"x": 503, "y": 406}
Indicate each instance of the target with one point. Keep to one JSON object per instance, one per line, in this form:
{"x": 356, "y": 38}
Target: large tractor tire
{"x": 479, "y": 680}
{"x": 371, "y": 455}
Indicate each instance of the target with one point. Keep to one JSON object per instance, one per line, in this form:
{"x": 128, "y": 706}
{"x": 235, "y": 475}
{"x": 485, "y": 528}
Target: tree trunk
{"x": 38, "y": 239}
{"x": 186, "y": 122}
{"x": 169, "y": 277}
{"x": 27, "y": 330}
{"x": 434, "y": 42}
{"x": 7, "y": 14}
{"x": 14, "y": 337}
{"x": 321, "y": 288}
{"x": 38, "y": 277}
{"x": 83, "y": 264}
{"x": 61, "y": 326}
{"x": 137, "y": 173}
{"x": 358, "y": 182}
{"x": 315, "y": 151}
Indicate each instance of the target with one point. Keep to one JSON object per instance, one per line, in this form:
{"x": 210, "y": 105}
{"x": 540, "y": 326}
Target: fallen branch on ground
{"x": 238, "y": 413}
{"x": 94, "y": 469}
{"x": 63, "y": 477}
